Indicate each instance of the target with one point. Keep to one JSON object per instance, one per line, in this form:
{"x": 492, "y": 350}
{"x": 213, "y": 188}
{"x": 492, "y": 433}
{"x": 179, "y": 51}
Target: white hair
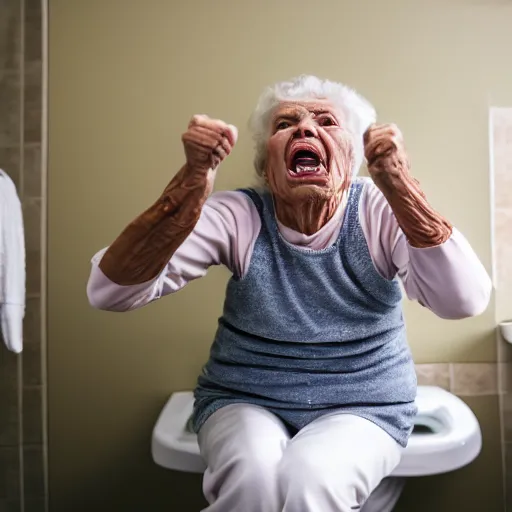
{"x": 357, "y": 113}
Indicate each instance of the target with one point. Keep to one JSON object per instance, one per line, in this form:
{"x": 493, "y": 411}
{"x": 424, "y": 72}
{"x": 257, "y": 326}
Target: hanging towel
{"x": 12, "y": 265}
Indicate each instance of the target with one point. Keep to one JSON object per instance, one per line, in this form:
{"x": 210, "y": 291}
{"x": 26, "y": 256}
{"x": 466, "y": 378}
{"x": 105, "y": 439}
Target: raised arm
{"x": 146, "y": 245}
{"x": 224, "y": 235}
{"x": 156, "y": 254}
{"x": 407, "y": 236}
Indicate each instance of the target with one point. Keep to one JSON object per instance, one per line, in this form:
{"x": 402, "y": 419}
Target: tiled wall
{"x": 462, "y": 379}
{"x": 22, "y": 386}
{"x": 501, "y": 151}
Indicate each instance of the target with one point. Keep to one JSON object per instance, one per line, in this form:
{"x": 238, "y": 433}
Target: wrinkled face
{"x": 309, "y": 151}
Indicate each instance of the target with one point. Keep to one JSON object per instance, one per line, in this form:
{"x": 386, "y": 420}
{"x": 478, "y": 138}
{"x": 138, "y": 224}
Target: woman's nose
{"x": 306, "y": 128}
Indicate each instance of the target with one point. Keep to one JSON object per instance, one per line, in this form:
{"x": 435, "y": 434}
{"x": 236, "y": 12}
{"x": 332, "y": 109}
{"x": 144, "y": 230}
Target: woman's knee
{"x": 248, "y": 481}
{"x": 255, "y": 470}
{"x": 242, "y": 446}
{"x": 305, "y": 480}
{"x": 297, "y": 472}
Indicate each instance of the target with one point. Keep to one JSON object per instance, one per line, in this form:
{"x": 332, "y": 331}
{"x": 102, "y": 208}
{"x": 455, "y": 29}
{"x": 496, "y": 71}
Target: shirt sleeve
{"x": 225, "y": 234}
{"x": 449, "y": 279}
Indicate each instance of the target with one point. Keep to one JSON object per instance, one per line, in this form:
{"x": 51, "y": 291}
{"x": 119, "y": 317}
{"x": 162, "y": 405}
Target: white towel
{"x": 12, "y": 265}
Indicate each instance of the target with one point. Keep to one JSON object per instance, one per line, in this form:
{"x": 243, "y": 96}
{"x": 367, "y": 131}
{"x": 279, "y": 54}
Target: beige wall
{"x": 125, "y": 77}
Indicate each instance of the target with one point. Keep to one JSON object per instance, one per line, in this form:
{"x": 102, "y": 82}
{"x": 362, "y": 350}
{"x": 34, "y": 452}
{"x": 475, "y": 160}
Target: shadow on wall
{"x": 136, "y": 489}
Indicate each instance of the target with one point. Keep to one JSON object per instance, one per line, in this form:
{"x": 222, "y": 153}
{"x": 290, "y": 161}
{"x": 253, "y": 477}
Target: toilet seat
{"x": 447, "y": 435}
{"x": 452, "y": 439}
{"x": 173, "y": 445}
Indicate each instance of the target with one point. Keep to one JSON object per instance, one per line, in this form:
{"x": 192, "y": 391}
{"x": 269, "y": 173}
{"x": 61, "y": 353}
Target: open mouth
{"x": 306, "y": 162}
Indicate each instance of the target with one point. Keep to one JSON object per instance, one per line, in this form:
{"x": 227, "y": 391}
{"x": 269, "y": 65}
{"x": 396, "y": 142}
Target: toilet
{"x": 446, "y": 437}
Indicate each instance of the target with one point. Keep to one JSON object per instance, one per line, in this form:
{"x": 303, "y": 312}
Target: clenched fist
{"x": 384, "y": 150}
{"x": 388, "y": 166}
{"x": 207, "y": 142}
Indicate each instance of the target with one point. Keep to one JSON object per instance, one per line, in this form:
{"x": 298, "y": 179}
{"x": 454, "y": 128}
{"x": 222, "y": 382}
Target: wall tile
{"x": 504, "y": 348}
{"x": 9, "y": 425}
{"x": 10, "y": 506}
{"x": 9, "y": 416}
{"x": 33, "y": 103}
{"x": 9, "y": 420}
{"x": 33, "y": 472}
{"x": 506, "y": 404}
{"x": 10, "y": 109}
{"x": 10, "y": 35}
{"x": 32, "y": 321}
{"x": 32, "y": 415}
{"x": 433, "y": 375}
{"x": 474, "y": 379}
{"x": 32, "y": 221}
{"x": 28, "y": 183}
{"x": 503, "y": 247}
{"x": 9, "y": 473}
{"x": 10, "y": 163}
{"x": 505, "y": 377}
{"x": 33, "y": 31}
{"x": 35, "y": 505}
{"x": 502, "y": 156}
{"x": 8, "y": 368}
{"x": 508, "y": 476}
{"x": 33, "y": 258}
{"x": 32, "y": 364}
{"x": 32, "y": 171}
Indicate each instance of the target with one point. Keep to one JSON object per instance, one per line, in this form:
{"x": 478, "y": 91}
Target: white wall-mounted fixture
{"x": 506, "y": 330}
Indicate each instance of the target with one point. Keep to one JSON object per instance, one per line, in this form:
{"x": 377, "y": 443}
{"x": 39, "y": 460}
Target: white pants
{"x": 331, "y": 465}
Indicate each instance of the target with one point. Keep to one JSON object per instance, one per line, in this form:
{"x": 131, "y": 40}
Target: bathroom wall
{"x": 124, "y": 79}
{"x": 501, "y": 158}
{"x": 22, "y": 381}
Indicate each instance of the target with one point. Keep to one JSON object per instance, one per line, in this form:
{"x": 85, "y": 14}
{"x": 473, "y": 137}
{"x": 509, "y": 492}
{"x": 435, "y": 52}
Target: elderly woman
{"x": 308, "y": 395}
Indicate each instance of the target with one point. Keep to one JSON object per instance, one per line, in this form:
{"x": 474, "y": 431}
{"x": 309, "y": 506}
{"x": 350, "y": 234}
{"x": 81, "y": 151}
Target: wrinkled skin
{"x": 389, "y": 167}
{"x": 146, "y": 245}
{"x": 207, "y": 142}
{"x": 305, "y": 200}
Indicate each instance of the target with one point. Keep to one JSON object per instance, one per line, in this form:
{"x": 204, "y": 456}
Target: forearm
{"x": 147, "y": 244}
{"x": 449, "y": 278}
{"x": 422, "y": 225}
{"x": 389, "y": 168}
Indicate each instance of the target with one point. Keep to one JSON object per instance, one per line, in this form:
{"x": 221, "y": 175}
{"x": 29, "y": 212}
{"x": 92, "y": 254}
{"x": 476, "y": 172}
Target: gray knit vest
{"x": 306, "y": 333}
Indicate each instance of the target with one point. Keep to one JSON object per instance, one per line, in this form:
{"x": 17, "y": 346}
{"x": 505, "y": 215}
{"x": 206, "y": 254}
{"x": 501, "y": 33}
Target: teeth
{"x": 303, "y": 168}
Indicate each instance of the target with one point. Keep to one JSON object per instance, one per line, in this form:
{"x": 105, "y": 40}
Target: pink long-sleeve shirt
{"x": 449, "y": 279}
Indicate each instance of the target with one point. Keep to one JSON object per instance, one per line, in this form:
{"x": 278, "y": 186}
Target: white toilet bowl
{"x": 446, "y": 437}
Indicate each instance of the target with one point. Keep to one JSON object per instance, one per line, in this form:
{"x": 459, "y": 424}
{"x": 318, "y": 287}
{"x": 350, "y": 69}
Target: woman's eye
{"x": 283, "y": 125}
{"x": 326, "y": 121}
